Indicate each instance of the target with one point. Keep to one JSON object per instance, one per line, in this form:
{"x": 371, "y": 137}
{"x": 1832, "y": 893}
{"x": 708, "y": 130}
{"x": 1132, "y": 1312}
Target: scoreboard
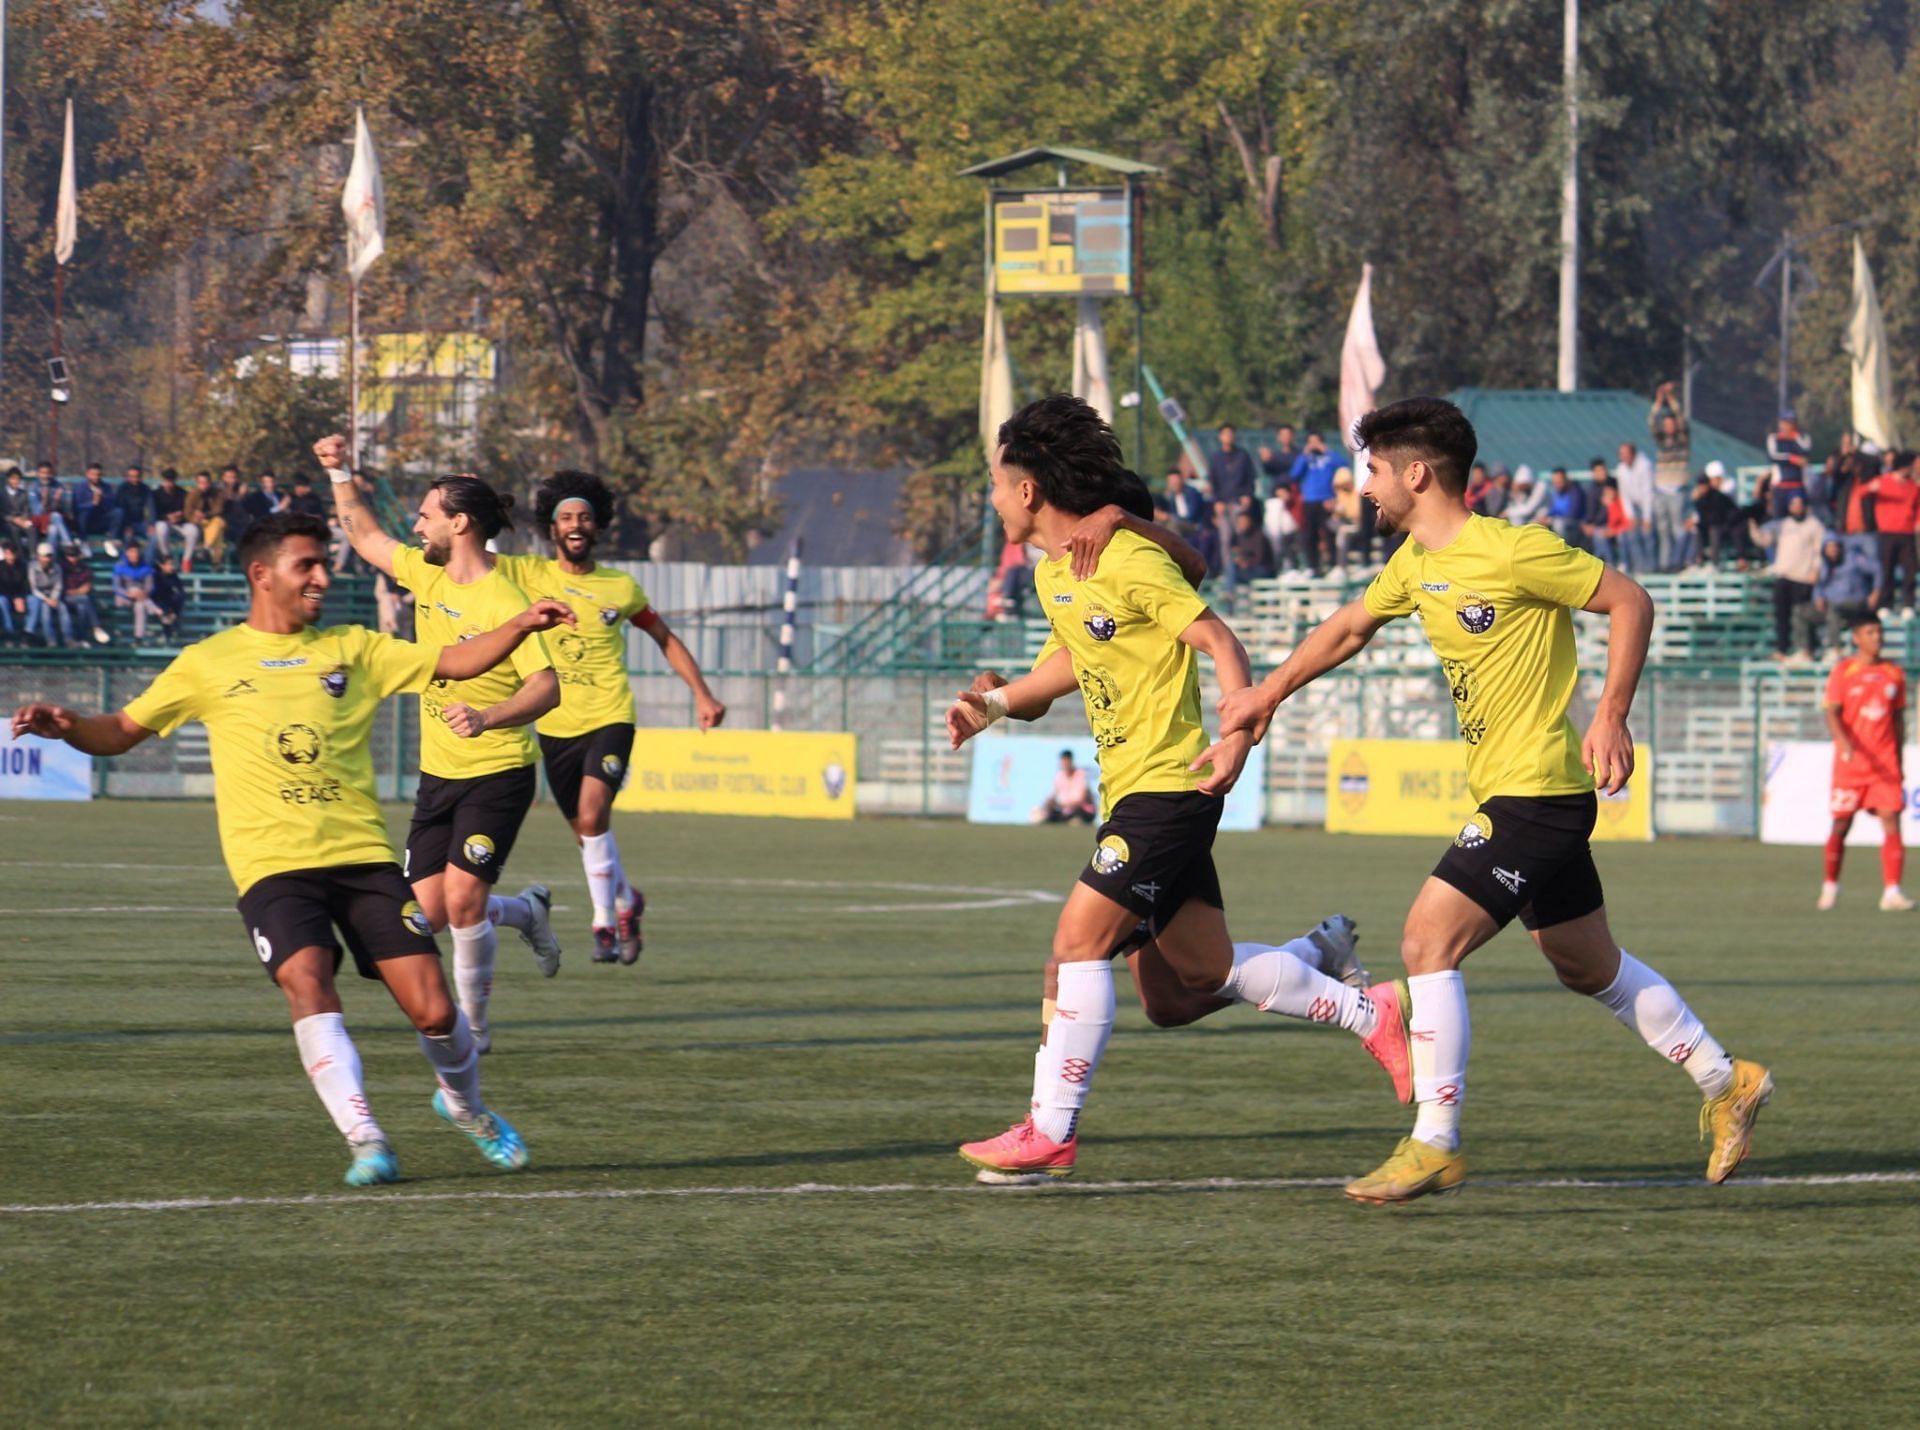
{"x": 1063, "y": 242}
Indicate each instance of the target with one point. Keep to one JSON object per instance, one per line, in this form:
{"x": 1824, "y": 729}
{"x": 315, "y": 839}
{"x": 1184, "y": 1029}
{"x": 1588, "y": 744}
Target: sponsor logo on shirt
{"x": 571, "y": 647}
{"x": 586, "y": 596}
{"x": 1510, "y": 879}
{"x": 288, "y": 664}
{"x": 1437, "y": 587}
{"x": 1063, "y": 598}
{"x": 298, "y": 744}
{"x": 446, "y": 610}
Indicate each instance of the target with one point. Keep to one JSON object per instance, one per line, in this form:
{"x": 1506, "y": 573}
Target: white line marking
{"x": 121, "y": 909}
{"x": 880, "y": 1189}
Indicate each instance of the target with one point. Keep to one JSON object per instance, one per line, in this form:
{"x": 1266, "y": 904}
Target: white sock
{"x": 511, "y": 910}
{"x": 1440, "y": 1035}
{"x": 1082, "y": 1022}
{"x": 605, "y": 878}
{"x": 1278, "y": 980}
{"x": 473, "y": 954}
{"x": 457, "y": 1065}
{"x": 1302, "y": 948}
{"x": 333, "y": 1066}
{"x": 1648, "y": 1004}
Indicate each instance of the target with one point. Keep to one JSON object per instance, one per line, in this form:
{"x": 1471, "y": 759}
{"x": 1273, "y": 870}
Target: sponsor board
{"x": 32, "y": 768}
{"x": 1798, "y": 787}
{"x": 799, "y": 775}
{"x": 1420, "y": 787}
{"x": 1012, "y": 775}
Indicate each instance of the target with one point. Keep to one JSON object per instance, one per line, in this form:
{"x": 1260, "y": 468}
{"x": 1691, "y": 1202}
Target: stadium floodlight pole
{"x": 1569, "y": 364}
{"x": 1784, "y": 257}
{"x": 3, "y": 184}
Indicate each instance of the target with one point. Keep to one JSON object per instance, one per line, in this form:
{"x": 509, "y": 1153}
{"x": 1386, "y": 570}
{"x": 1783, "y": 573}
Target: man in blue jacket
{"x": 1849, "y": 572}
{"x": 1313, "y": 471}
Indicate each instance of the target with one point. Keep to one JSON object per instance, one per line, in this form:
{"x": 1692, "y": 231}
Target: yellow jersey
{"x": 590, "y": 659}
{"x": 1122, "y": 627}
{"x": 445, "y": 613}
{"x": 1497, "y": 604}
{"x": 287, "y": 720}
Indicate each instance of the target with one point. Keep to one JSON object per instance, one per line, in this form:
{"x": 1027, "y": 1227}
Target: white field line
{"x": 880, "y": 1189}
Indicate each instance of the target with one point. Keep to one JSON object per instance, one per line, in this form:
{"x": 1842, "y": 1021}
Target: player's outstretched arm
{"x": 113, "y": 734}
{"x": 486, "y": 650}
{"x": 538, "y": 693}
{"x": 1608, "y": 747}
{"x": 372, "y": 544}
{"x": 707, "y": 710}
{"x": 1227, "y": 755}
{"x": 1334, "y": 642}
{"x": 1094, "y": 531}
{"x": 989, "y": 698}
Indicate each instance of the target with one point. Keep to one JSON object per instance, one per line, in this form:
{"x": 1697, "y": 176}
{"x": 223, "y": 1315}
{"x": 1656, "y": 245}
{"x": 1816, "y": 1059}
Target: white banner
{"x": 1794, "y": 806}
{"x": 32, "y": 768}
{"x": 1012, "y": 778}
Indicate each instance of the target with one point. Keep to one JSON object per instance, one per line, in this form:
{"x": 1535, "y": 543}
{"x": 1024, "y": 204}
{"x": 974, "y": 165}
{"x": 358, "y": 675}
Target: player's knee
{"x": 1164, "y": 1012}
{"x": 435, "y": 1017}
{"x": 1422, "y": 953}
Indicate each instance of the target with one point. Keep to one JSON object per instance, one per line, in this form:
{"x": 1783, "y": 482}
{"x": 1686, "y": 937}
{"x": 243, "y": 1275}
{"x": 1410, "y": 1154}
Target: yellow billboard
{"x": 1420, "y": 787}
{"x": 800, "y": 776}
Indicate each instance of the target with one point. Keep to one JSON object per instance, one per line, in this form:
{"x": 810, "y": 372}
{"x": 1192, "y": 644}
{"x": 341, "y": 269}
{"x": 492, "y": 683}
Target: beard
{"x": 576, "y": 545}
{"x": 436, "y": 555}
{"x": 1382, "y": 523}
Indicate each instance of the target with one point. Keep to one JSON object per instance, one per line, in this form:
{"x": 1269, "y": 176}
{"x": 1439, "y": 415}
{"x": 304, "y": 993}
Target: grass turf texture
{"x": 770, "y": 1038}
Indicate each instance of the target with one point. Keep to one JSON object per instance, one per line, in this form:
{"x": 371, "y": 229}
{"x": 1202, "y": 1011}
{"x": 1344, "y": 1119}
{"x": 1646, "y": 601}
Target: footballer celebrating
{"x": 476, "y": 756}
{"x": 587, "y": 742}
{"x": 288, "y": 705}
{"x": 1127, "y": 635}
{"x": 1866, "y": 709}
{"x": 1496, "y": 602}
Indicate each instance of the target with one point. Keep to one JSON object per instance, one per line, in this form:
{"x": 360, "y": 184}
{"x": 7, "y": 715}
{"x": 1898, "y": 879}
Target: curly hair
{"x": 566, "y": 486}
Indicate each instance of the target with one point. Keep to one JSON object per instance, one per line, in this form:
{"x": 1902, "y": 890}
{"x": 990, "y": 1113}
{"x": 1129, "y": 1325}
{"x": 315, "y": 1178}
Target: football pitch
{"x": 744, "y": 1202}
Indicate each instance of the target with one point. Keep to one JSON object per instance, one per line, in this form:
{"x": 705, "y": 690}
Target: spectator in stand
{"x": 93, "y": 507}
{"x": 304, "y": 499}
{"x": 78, "y": 598}
{"x": 1858, "y": 514}
{"x": 13, "y": 593}
{"x": 230, "y": 482}
{"x": 1344, "y": 519}
{"x": 1184, "y": 502}
{"x": 1007, "y": 596}
{"x": 46, "y": 612}
{"x": 1849, "y": 572}
{"x": 1071, "y": 799}
{"x": 1796, "y": 540}
{"x": 52, "y": 507}
{"x": 133, "y": 589}
{"x": 1252, "y": 552}
{"x": 1633, "y": 473}
{"x": 268, "y": 499}
{"x": 170, "y": 522}
{"x": 1233, "y": 476}
{"x": 1716, "y": 516}
{"x": 1612, "y": 535}
{"x": 1672, "y": 438}
{"x": 237, "y": 511}
{"x": 1787, "y": 450}
{"x": 1313, "y": 475}
{"x": 133, "y": 511}
{"x": 1277, "y": 461}
{"x": 1567, "y": 509}
{"x": 1477, "y": 480}
{"x": 1896, "y": 513}
{"x": 1846, "y": 468}
{"x": 16, "y": 510}
{"x": 169, "y": 594}
{"x": 1495, "y": 496}
{"x": 1281, "y": 521}
{"x": 202, "y": 512}
{"x": 1531, "y": 500}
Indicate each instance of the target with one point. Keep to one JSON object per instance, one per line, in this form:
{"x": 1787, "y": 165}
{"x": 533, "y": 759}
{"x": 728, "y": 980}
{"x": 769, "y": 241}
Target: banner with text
{"x": 32, "y": 768}
{"x": 1796, "y": 798}
{"x": 1012, "y": 779}
{"x": 801, "y": 776}
{"x": 1420, "y": 787}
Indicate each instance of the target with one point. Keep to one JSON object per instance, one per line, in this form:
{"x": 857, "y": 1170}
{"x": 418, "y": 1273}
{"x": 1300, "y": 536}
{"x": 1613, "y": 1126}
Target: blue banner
{"x": 32, "y": 768}
{"x": 1012, "y": 779}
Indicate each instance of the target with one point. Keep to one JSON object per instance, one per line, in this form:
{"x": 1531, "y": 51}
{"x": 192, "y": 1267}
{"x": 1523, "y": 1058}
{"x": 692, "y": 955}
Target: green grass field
{"x": 824, "y": 1007}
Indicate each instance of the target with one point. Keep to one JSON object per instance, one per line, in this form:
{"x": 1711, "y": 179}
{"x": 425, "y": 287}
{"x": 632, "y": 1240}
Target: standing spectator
{"x": 1844, "y": 593}
{"x": 16, "y": 510}
{"x": 133, "y": 511}
{"x": 1846, "y": 469}
{"x": 1672, "y": 438}
{"x": 13, "y": 592}
{"x": 169, "y": 594}
{"x": 93, "y": 507}
{"x": 1634, "y": 475}
{"x": 202, "y": 513}
{"x": 237, "y": 511}
{"x": 1281, "y": 521}
{"x": 1896, "y": 514}
{"x": 52, "y": 507}
{"x": 1716, "y": 518}
{"x": 304, "y": 499}
{"x": 1233, "y": 478}
{"x": 1313, "y": 473}
{"x": 1277, "y": 461}
{"x": 1071, "y": 799}
{"x": 1796, "y": 540}
{"x": 170, "y": 522}
{"x": 133, "y": 589}
{"x": 1007, "y": 596}
{"x": 1252, "y": 552}
{"x": 1787, "y": 450}
{"x": 1343, "y": 518}
{"x": 1531, "y": 499}
{"x": 46, "y": 585}
{"x": 77, "y": 576}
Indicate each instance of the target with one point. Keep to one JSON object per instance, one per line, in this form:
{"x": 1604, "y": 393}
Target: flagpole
{"x": 353, "y": 378}
{"x": 53, "y": 403}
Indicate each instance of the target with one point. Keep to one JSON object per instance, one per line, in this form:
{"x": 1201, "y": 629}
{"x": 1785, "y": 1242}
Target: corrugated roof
{"x": 1569, "y": 429}
{"x": 1051, "y": 153}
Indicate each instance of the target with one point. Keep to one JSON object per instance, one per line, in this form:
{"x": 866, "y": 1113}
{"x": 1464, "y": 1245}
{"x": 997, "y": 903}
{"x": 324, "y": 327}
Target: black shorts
{"x": 470, "y": 824}
{"x": 1155, "y": 853}
{"x": 1527, "y": 856}
{"x": 369, "y": 903}
{"x": 600, "y": 754}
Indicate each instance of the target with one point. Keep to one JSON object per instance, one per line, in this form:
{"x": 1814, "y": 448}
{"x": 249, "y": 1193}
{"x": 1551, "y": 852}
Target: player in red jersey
{"x": 1866, "y": 710}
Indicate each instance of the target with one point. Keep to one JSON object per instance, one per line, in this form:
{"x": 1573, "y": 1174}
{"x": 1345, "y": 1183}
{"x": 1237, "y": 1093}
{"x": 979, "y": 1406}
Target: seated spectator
{"x": 1071, "y": 799}
{"x": 1186, "y": 504}
{"x": 305, "y": 500}
{"x": 169, "y": 594}
{"x": 1716, "y": 519}
{"x": 13, "y": 593}
{"x": 237, "y": 511}
{"x": 52, "y": 507}
{"x": 16, "y": 510}
{"x": 1252, "y": 553}
{"x": 170, "y": 522}
{"x": 265, "y": 499}
{"x": 1529, "y": 500}
{"x": 1567, "y": 509}
{"x": 1281, "y": 519}
{"x": 93, "y": 507}
{"x": 133, "y": 589}
{"x": 1477, "y": 480}
{"x": 1849, "y": 578}
{"x": 202, "y": 513}
{"x": 133, "y": 511}
{"x": 1795, "y": 540}
{"x": 46, "y": 586}
{"x": 1611, "y": 536}
{"x": 1494, "y": 495}
{"x": 78, "y": 598}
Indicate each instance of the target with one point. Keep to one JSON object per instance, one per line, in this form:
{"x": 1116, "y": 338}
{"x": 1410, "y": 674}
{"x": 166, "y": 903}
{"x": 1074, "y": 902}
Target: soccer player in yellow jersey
{"x": 477, "y": 780}
{"x": 587, "y": 742}
{"x": 1127, "y": 636}
{"x": 1496, "y": 603}
{"x": 288, "y": 705}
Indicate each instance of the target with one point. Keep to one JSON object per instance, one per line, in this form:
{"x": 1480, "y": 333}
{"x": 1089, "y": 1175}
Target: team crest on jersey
{"x": 1110, "y": 855}
{"x": 608, "y": 615}
{"x": 1475, "y": 614}
{"x": 297, "y": 744}
{"x": 334, "y": 682}
{"x": 1475, "y": 832}
{"x": 478, "y": 849}
{"x": 1100, "y": 623}
{"x": 612, "y": 766}
{"x": 415, "y": 918}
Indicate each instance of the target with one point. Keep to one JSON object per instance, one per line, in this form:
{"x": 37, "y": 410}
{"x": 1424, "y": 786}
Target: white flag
{"x": 364, "y": 202}
{"x": 1090, "y": 381}
{"x": 1362, "y": 370}
{"x": 1872, "y": 372}
{"x": 66, "y": 220}
{"x": 996, "y": 376}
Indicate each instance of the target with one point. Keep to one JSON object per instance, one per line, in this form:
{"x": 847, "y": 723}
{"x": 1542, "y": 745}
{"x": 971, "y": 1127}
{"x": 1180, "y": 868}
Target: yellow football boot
{"x": 1414, "y": 1170}
{"x": 1728, "y": 1119}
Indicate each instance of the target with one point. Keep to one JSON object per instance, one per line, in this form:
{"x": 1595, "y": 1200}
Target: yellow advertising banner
{"x": 800, "y": 776}
{"x": 1420, "y": 787}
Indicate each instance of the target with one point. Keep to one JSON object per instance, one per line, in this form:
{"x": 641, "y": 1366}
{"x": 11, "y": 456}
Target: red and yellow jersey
{"x": 1870, "y": 696}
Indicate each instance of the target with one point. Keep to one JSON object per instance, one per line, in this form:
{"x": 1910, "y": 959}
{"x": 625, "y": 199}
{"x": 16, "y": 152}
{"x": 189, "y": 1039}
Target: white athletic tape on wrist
{"x": 996, "y": 702}
{"x": 339, "y": 476}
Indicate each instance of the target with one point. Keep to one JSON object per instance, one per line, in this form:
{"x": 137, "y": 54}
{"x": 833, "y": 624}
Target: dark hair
{"x": 1865, "y": 618}
{"x": 1063, "y": 445}
{"x": 566, "y": 486}
{"x": 1131, "y": 496}
{"x": 472, "y": 498}
{"x": 263, "y": 539}
{"x": 1430, "y": 428}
